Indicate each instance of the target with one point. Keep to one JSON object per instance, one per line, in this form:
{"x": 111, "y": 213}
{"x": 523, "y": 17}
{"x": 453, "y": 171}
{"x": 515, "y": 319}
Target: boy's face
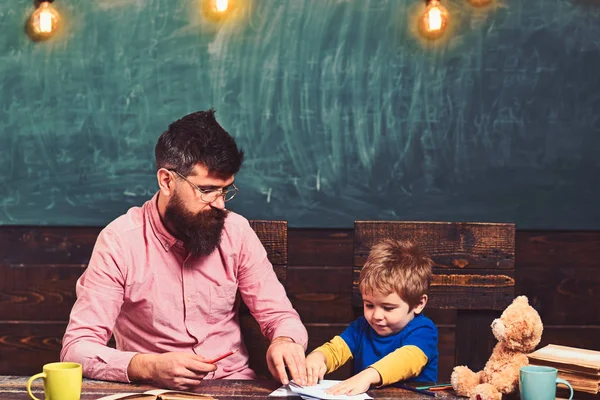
{"x": 388, "y": 313}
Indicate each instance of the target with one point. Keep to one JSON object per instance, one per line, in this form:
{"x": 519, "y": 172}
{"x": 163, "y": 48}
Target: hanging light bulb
{"x": 217, "y": 9}
{"x": 44, "y": 21}
{"x": 434, "y": 20}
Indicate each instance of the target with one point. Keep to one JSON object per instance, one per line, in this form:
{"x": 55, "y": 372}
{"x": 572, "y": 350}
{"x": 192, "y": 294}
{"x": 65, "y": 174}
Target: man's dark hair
{"x": 198, "y": 138}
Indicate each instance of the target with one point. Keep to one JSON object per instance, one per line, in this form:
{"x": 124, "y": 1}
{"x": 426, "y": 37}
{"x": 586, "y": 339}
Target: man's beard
{"x": 201, "y": 232}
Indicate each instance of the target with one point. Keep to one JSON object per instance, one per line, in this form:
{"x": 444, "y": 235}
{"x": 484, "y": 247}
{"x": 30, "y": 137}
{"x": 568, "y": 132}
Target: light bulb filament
{"x": 435, "y": 19}
{"x": 221, "y": 5}
{"x": 45, "y": 21}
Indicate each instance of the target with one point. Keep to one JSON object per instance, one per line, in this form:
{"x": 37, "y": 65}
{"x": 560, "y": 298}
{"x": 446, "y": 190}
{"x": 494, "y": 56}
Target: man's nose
{"x": 219, "y": 203}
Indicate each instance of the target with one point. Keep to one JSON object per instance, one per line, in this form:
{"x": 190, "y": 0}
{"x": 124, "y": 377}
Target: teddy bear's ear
{"x": 521, "y": 300}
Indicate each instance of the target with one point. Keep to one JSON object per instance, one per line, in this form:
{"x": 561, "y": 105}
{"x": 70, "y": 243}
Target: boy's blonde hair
{"x": 397, "y": 266}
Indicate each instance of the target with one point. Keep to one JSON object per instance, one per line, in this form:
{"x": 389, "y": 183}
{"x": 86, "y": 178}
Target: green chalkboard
{"x": 345, "y": 113}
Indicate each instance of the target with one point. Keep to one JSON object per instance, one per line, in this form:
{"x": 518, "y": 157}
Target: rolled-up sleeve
{"x": 100, "y": 292}
{"x": 264, "y": 295}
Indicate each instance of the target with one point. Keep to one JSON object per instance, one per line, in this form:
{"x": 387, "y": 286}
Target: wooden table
{"x": 13, "y": 388}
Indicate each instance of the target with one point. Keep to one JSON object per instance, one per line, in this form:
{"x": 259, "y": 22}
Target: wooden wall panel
{"x": 323, "y": 307}
{"x": 558, "y": 271}
{"x": 47, "y": 245}
{"x": 73, "y": 245}
{"x": 26, "y": 346}
{"x": 320, "y": 247}
{"x": 584, "y": 336}
{"x": 563, "y": 296}
{"x": 556, "y": 249}
{"x": 320, "y": 280}
{"x": 34, "y": 292}
{"x": 321, "y": 295}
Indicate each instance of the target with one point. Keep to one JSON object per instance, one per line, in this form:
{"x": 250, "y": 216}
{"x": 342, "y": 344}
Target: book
{"x": 570, "y": 359}
{"x": 580, "y": 367}
{"x": 581, "y": 383}
{"x": 158, "y": 394}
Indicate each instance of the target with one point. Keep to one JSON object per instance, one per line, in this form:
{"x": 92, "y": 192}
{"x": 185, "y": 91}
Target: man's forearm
{"x": 140, "y": 367}
{"x": 98, "y": 360}
{"x": 292, "y": 329}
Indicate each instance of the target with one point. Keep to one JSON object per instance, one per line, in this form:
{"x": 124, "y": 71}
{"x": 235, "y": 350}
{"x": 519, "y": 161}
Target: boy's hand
{"x": 315, "y": 368}
{"x": 358, "y": 384}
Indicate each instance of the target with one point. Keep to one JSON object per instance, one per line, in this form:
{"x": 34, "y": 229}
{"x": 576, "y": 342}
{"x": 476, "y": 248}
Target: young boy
{"x": 393, "y": 341}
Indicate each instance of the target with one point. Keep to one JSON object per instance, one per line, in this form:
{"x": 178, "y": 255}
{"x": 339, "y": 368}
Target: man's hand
{"x": 181, "y": 371}
{"x": 315, "y": 367}
{"x": 358, "y": 384}
{"x": 284, "y": 352}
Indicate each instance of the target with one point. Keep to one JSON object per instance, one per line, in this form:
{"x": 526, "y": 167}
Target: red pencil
{"x": 221, "y": 357}
{"x": 435, "y": 388}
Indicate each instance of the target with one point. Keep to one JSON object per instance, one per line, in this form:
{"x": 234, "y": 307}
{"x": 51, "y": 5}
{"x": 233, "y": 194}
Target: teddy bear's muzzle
{"x": 498, "y": 328}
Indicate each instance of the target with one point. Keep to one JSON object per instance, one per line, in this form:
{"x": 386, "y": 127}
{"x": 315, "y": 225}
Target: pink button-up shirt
{"x": 141, "y": 285}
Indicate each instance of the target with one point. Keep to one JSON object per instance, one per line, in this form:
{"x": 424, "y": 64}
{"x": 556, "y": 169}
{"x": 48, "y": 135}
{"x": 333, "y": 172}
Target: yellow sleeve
{"x": 336, "y": 353}
{"x": 401, "y": 364}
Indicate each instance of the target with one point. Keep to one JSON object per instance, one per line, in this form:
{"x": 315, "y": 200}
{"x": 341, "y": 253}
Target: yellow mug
{"x": 62, "y": 381}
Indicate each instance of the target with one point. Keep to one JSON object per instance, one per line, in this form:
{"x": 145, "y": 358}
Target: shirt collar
{"x": 166, "y": 239}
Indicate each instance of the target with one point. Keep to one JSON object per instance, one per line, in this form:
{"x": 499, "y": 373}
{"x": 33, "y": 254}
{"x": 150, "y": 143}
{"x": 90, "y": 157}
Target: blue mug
{"x": 539, "y": 383}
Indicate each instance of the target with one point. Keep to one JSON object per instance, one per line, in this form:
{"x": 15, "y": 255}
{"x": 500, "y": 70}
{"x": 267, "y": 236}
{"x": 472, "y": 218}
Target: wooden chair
{"x": 474, "y": 273}
{"x": 38, "y": 270}
{"x": 273, "y": 236}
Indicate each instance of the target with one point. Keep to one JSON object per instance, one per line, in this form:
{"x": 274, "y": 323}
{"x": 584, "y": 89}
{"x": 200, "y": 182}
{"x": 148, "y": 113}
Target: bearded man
{"x": 163, "y": 277}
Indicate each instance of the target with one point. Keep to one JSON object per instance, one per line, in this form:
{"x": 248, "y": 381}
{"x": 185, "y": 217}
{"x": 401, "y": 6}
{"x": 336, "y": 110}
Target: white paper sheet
{"x": 315, "y": 392}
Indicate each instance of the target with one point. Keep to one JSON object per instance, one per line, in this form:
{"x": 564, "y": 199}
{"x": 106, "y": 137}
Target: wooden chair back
{"x": 474, "y": 273}
{"x": 273, "y": 236}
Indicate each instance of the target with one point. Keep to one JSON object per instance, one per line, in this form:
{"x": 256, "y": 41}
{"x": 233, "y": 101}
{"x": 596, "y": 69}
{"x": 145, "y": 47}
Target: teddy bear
{"x": 518, "y": 331}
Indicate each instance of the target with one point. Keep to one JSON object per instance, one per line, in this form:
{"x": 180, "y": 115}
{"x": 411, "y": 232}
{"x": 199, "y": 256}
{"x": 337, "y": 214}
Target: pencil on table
{"x": 437, "y": 385}
{"x": 214, "y": 360}
{"x": 440, "y": 387}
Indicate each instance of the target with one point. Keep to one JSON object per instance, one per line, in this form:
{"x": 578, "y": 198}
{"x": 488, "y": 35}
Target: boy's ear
{"x": 422, "y": 302}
